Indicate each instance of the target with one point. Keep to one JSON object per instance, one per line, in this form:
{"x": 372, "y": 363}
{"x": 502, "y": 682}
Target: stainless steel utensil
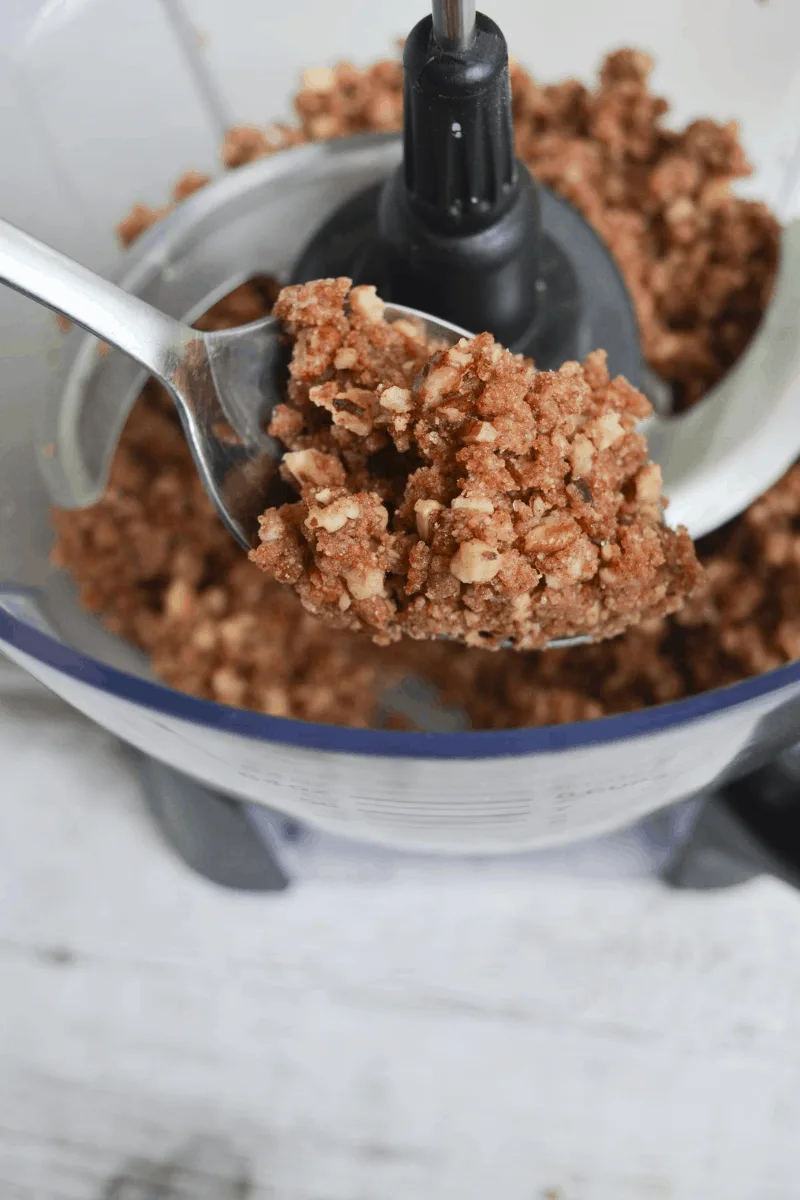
{"x": 222, "y": 383}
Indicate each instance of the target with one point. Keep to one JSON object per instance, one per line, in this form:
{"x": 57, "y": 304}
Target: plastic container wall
{"x": 103, "y": 104}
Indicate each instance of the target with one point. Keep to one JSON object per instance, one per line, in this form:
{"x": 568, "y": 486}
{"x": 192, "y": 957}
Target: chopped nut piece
{"x": 396, "y": 399}
{"x": 648, "y": 484}
{"x": 319, "y": 79}
{"x": 272, "y": 528}
{"x": 345, "y": 358}
{"x": 475, "y": 562}
{"x": 424, "y": 510}
{"x": 364, "y": 582}
{"x": 473, "y": 503}
{"x": 366, "y": 304}
{"x": 604, "y": 430}
{"x": 334, "y": 516}
{"x": 313, "y": 466}
{"x": 483, "y": 431}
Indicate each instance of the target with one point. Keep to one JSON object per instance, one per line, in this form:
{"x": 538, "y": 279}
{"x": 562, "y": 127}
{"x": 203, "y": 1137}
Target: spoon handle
{"x": 44, "y": 274}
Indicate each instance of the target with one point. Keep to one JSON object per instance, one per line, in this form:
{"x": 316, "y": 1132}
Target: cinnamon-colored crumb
{"x": 139, "y": 220}
{"x": 518, "y": 506}
{"x": 700, "y": 264}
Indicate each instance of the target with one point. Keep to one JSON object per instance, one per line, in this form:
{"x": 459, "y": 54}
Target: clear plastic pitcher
{"x": 103, "y": 105}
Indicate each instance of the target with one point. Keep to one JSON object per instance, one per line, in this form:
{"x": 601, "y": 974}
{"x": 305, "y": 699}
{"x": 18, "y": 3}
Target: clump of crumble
{"x": 517, "y": 504}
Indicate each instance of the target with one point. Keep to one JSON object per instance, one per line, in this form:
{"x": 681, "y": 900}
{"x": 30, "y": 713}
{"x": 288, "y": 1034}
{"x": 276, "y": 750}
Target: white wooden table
{"x": 354, "y": 1041}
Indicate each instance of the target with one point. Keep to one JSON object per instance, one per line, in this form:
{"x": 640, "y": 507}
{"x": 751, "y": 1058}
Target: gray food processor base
{"x": 211, "y": 833}
{"x": 748, "y": 828}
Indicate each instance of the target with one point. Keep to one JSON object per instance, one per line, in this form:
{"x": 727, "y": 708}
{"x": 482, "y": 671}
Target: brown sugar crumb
{"x": 520, "y": 503}
{"x": 188, "y": 184}
{"x": 245, "y": 143}
{"x": 699, "y": 263}
{"x": 138, "y": 221}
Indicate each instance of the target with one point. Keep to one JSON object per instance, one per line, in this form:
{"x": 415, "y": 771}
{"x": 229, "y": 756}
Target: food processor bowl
{"x": 446, "y": 790}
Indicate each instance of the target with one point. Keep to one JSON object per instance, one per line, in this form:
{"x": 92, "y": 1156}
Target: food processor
{"x": 171, "y": 78}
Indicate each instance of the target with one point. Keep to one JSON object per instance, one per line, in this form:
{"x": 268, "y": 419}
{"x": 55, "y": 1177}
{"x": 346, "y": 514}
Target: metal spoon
{"x": 224, "y": 384}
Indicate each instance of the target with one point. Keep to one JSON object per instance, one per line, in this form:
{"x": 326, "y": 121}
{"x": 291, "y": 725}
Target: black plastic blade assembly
{"x": 462, "y": 230}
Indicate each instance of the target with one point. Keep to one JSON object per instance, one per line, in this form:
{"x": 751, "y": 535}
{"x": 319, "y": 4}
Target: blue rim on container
{"x": 383, "y": 742}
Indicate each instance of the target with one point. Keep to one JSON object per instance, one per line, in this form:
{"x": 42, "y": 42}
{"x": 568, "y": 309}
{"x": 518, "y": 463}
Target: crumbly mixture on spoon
{"x": 460, "y": 492}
